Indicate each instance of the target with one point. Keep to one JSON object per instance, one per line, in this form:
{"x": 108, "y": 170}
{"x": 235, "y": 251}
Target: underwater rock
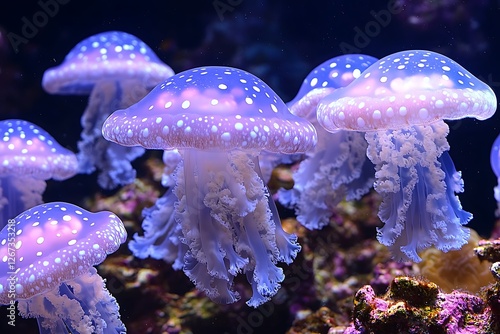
{"x": 416, "y": 306}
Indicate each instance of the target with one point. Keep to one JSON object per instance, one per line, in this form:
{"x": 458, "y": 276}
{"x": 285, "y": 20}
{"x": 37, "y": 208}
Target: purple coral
{"x": 29, "y": 156}
{"x": 413, "y": 306}
{"x": 400, "y": 102}
{"x": 47, "y": 257}
{"x": 337, "y": 168}
{"x": 220, "y": 118}
{"x": 116, "y": 69}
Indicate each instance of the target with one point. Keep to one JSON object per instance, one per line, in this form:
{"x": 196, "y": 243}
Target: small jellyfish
{"x": 495, "y": 165}
{"x": 56, "y": 247}
{"x": 337, "y": 168}
{"x": 116, "y": 69}
{"x": 28, "y": 157}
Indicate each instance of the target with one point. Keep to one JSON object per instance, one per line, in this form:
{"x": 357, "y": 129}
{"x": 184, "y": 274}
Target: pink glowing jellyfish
{"x": 47, "y": 259}
{"x": 337, "y": 168}
{"x": 401, "y": 102}
{"x": 116, "y": 69}
{"x": 219, "y": 119}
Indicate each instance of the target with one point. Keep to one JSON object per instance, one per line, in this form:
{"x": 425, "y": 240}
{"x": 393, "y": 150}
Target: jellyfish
{"x": 495, "y": 165}
{"x": 48, "y": 268}
{"x": 400, "y": 103}
{"x": 116, "y": 69}
{"x": 29, "y": 156}
{"x": 219, "y": 119}
{"x": 337, "y": 168}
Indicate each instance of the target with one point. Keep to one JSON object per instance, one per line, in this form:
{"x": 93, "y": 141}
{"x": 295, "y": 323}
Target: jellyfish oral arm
{"x": 228, "y": 224}
{"x": 112, "y": 160}
{"x": 417, "y": 181}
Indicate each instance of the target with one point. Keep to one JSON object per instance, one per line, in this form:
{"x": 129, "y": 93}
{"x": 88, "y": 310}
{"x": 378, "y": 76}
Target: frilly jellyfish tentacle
{"x": 82, "y": 305}
{"x": 162, "y": 233}
{"x": 171, "y": 160}
{"x": 417, "y": 181}
{"x": 112, "y": 160}
{"x": 217, "y": 289}
{"x": 362, "y": 184}
{"x": 337, "y": 169}
{"x": 116, "y": 167}
{"x": 10, "y": 200}
{"x": 454, "y": 184}
{"x": 228, "y": 225}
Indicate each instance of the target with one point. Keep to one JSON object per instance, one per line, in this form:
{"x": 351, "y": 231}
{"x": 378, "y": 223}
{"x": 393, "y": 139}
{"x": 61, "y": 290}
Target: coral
{"x": 385, "y": 272}
{"x": 319, "y": 322}
{"x": 488, "y": 250}
{"x": 456, "y": 269}
{"x": 417, "y": 307}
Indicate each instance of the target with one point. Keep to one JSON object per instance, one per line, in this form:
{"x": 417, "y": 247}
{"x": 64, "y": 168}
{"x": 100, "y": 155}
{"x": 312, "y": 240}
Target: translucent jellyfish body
{"x": 219, "y": 119}
{"x": 400, "y": 103}
{"x": 337, "y": 168}
{"x": 116, "y": 69}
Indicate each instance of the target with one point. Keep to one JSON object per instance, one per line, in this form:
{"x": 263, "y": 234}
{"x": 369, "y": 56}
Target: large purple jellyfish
{"x": 28, "y": 157}
{"x": 400, "y": 102}
{"x": 337, "y": 168}
{"x": 116, "y": 69}
{"x": 47, "y": 258}
{"x": 220, "y": 118}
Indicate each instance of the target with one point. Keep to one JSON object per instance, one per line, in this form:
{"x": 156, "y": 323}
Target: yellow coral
{"x": 460, "y": 269}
